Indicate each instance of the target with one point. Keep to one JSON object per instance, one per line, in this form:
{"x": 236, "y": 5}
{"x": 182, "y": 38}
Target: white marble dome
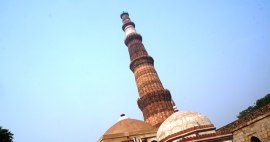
{"x": 180, "y": 121}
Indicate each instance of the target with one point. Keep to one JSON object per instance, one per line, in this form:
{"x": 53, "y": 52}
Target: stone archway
{"x": 254, "y": 139}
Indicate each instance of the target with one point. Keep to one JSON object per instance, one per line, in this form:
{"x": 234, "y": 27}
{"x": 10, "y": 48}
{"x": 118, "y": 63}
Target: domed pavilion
{"x": 189, "y": 126}
{"x": 129, "y": 130}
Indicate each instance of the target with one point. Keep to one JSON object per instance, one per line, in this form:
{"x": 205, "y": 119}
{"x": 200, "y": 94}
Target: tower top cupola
{"x": 128, "y": 26}
{"x": 124, "y": 13}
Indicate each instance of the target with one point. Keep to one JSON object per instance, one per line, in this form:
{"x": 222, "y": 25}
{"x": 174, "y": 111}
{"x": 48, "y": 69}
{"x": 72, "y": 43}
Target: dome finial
{"x": 122, "y": 117}
{"x": 174, "y": 106}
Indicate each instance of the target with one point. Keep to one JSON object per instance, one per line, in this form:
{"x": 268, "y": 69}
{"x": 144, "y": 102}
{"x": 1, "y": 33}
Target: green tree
{"x": 5, "y": 135}
{"x": 259, "y": 103}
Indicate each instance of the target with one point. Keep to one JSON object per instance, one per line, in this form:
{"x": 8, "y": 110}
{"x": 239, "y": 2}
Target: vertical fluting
{"x": 154, "y": 101}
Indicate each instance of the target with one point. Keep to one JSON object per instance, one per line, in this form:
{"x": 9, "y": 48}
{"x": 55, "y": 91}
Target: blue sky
{"x": 64, "y": 67}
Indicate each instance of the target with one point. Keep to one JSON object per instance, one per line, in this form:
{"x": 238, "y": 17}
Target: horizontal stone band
{"x": 131, "y": 37}
{"x": 153, "y": 97}
{"x": 141, "y": 60}
{"x": 126, "y": 24}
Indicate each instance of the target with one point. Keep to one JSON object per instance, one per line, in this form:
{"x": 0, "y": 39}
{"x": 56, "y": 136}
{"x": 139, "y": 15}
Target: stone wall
{"x": 259, "y": 129}
{"x": 256, "y": 124}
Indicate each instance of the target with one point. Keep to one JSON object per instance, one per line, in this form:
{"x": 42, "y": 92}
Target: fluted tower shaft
{"x": 154, "y": 101}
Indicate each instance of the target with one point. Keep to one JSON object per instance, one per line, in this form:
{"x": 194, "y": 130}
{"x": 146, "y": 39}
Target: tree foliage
{"x": 5, "y": 135}
{"x": 259, "y": 103}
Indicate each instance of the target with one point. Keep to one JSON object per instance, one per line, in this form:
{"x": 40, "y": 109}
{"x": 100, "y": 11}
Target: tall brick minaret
{"x": 154, "y": 100}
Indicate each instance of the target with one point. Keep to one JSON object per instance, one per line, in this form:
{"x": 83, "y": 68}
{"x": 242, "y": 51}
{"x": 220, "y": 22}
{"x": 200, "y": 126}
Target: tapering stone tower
{"x": 154, "y": 100}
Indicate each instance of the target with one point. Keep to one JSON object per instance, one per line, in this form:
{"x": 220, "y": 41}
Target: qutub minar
{"x": 162, "y": 121}
{"x": 155, "y": 101}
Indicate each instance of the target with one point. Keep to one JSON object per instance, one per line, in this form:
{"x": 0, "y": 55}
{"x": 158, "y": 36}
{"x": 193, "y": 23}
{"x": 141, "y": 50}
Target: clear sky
{"x": 64, "y": 67}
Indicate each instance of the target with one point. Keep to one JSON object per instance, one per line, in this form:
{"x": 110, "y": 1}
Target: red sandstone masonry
{"x": 217, "y": 137}
{"x": 154, "y": 101}
{"x": 188, "y": 131}
{"x": 213, "y": 137}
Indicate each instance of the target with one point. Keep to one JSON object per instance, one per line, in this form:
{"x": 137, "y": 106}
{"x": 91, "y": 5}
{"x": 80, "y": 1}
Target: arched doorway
{"x": 254, "y": 139}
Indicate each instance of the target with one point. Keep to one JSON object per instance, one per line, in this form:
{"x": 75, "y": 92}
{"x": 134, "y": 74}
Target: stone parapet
{"x": 248, "y": 119}
{"x": 213, "y": 137}
{"x": 255, "y": 124}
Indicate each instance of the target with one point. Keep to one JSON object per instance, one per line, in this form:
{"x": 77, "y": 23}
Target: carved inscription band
{"x": 132, "y": 36}
{"x": 136, "y": 49}
{"x": 153, "y": 97}
{"x": 141, "y": 60}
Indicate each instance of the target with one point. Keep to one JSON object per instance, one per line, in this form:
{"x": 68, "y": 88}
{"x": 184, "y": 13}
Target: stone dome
{"x": 126, "y": 124}
{"x": 182, "y": 121}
